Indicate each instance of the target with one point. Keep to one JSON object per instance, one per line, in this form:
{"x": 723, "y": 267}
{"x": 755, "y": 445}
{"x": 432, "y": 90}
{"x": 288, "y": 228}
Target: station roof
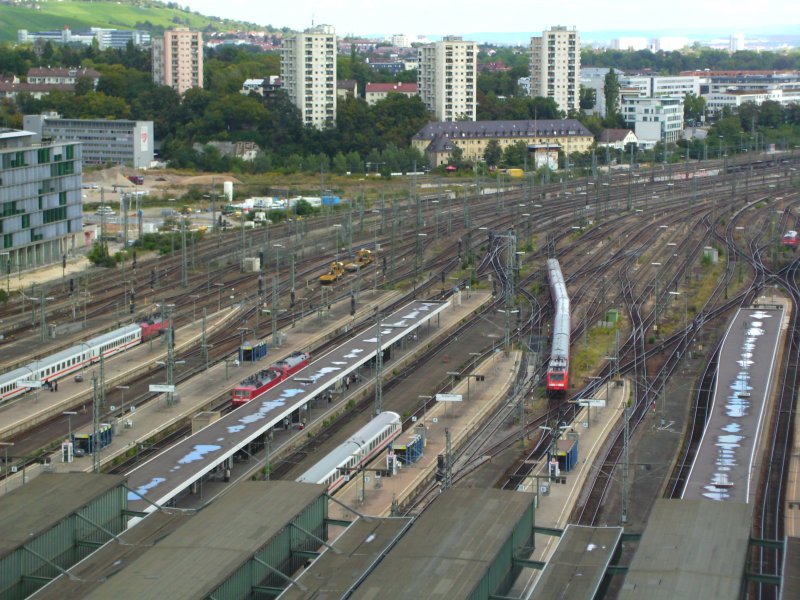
{"x": 92, "y": 571}
{"x": 201, "y": 555}
{"x": 577, "y": 568}
{"x": 449, "y": 548}
{"x": 40, "y": 504}
{"x": 332, "y": 575}
{"x": 161, "y": 478}
{"x": 690, "y": 549}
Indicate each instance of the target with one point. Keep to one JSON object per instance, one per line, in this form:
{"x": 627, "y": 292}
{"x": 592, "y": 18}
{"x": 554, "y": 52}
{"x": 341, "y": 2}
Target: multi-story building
{"x": 653, "y": 119}
{"x": 447, "y": 78}
{"x": 733, "y": 99}
{"x": 401, "y": 40}
{"x": 713, "y": 82}
{"x": 556, "y": 67}
{"x": 594, "y": 78}
{"x": 178, "y": 59}
{"x": 308, "y": 72}
{"x": 106, "y": 38}
{"x": 104, "y": 141}
{"x": 61, "y": 76}
{"x": 40, "y": 200}
{"x": 658, "y": 85}
{"x": 630, "y": 44}
{"x": 375, "y": 92}
{"x": 437, "y": 140}
{"x": 736, "y": 42}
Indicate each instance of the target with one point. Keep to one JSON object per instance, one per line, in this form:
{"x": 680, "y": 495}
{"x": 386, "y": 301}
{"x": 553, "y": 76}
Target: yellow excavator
{"x": 363, "y": 258}
{"x": 334, "y": 273}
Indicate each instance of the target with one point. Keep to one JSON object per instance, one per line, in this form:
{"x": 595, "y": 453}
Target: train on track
{"x": 790, "y": 239}
{"x": 557, "y": 378}
{"x": 334, "y": 470}
{"x": 260, "y": 382}
{"x": 50, "y": 369}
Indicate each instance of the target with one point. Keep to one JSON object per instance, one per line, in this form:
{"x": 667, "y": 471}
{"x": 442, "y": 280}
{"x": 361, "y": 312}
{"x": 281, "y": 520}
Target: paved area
{"x": 197, "y": 393}
{"x": 555, "y": 504}
{"x": 726, "y": 460}
{"x": 373, "y": 496}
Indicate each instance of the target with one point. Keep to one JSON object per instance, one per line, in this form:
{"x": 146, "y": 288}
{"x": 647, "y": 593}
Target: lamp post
{"x": 194, "y": 298}
{"x": 277, "y": 256}
{"x": 5, "y": 446}
{"x": 508, "y": 314}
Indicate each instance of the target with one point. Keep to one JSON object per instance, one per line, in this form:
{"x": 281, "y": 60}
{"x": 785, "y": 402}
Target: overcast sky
{"x": 430, "y": 17}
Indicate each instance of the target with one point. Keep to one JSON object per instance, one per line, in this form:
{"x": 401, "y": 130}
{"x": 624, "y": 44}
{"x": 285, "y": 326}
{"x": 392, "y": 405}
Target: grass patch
{"x": 589, "y": 351}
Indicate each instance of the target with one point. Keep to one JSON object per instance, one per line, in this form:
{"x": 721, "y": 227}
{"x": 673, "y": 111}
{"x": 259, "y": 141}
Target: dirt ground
{"x": 163, "y": 182}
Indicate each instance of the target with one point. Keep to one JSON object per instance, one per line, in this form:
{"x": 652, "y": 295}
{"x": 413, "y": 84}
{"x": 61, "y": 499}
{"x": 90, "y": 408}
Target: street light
{"x": 219, "y": 295}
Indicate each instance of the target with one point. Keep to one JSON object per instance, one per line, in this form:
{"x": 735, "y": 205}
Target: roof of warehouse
{"x": 45, "y": 501}
{"x": 579, "y": 563}
{"x": 200, "y": 556}
{"x": 333, "y": 574}
{"x": 690, "y": 548}
{"x": 449, "y": 547}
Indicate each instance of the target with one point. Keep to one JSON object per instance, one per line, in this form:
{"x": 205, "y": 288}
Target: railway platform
{"x": 201, "y": 391}
{"x": 38, "y": 406}
{"x": 376, "y": 496}
{"x": 554, "y": 508}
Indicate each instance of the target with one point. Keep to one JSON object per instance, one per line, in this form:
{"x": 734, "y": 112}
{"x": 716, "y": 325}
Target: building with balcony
{"x": 40, "y": 200}
{"x": 447, "y": 78}
{"x": 178, "y": 59}
{"x": 104, "y": 141}
{"x": 556, "y": 67}
{"x": 308, "y": 72}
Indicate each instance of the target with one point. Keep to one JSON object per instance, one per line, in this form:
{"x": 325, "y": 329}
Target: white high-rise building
{"x": 308, "y": 72}
{"x": 736, "y": 42}
{"x": 556, "y": 66}
{"x": 401, "y": 40}
{"x": 629, "y": 43}
{"x": 447, "y": 78}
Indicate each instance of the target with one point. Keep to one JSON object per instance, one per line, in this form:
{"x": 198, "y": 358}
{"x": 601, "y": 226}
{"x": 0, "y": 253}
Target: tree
{"x": 611, "y": 92}
{"x": 694, "y": 107}
{"x": 303, "y": 208}
{"x": 514, "y": 155}
{"x": 493, "y": 153}
{"x": 457, "y": 156}
{"x": 588, "y": 98}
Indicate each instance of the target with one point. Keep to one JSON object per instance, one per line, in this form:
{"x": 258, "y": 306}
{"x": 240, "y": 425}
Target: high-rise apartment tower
{"x": 556, "y": 67}
{"x": 308, "y": 72}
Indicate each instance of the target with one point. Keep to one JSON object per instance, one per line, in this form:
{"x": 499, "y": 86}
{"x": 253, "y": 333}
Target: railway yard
{"x": 587, "y": 388}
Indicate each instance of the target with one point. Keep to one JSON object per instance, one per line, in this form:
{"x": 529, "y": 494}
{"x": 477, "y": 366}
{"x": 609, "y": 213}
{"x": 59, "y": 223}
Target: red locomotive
{"x": 153, "y": 327}
{"x": 790, "y": 239}
{"x": 257, "y": 384}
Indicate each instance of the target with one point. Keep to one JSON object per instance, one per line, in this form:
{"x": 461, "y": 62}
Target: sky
{"x": 436, "y": 18}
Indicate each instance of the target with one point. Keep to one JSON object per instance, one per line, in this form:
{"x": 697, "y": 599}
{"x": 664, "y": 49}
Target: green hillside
{"x": 82, "y": 14}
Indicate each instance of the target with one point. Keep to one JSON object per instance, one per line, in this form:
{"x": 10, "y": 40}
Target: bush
{"x": 99, "y": 256}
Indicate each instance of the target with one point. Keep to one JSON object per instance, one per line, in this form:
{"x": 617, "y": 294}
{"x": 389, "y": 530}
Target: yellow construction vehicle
{"x": 363, "y": 258}
{"x": 335, "y": 272}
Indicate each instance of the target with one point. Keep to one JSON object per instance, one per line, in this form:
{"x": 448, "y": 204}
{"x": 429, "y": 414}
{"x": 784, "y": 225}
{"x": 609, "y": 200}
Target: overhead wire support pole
{"x": 378, "y": 369}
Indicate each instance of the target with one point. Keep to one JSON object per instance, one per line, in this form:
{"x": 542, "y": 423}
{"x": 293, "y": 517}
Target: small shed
{"x": 252, "y": 351}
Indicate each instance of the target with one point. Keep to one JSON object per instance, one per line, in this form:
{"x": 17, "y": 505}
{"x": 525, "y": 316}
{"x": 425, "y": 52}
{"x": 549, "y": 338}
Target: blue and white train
{"x": 77, "y": 357}
{"x": 358, "y": 450}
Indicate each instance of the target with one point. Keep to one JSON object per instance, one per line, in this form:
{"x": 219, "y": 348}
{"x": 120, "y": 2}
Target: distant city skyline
{"x": 416, "y": 17}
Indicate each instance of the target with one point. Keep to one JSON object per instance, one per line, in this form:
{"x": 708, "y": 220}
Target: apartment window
{"x": 26, "y": 221}
{"x": 8, "y": 240}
